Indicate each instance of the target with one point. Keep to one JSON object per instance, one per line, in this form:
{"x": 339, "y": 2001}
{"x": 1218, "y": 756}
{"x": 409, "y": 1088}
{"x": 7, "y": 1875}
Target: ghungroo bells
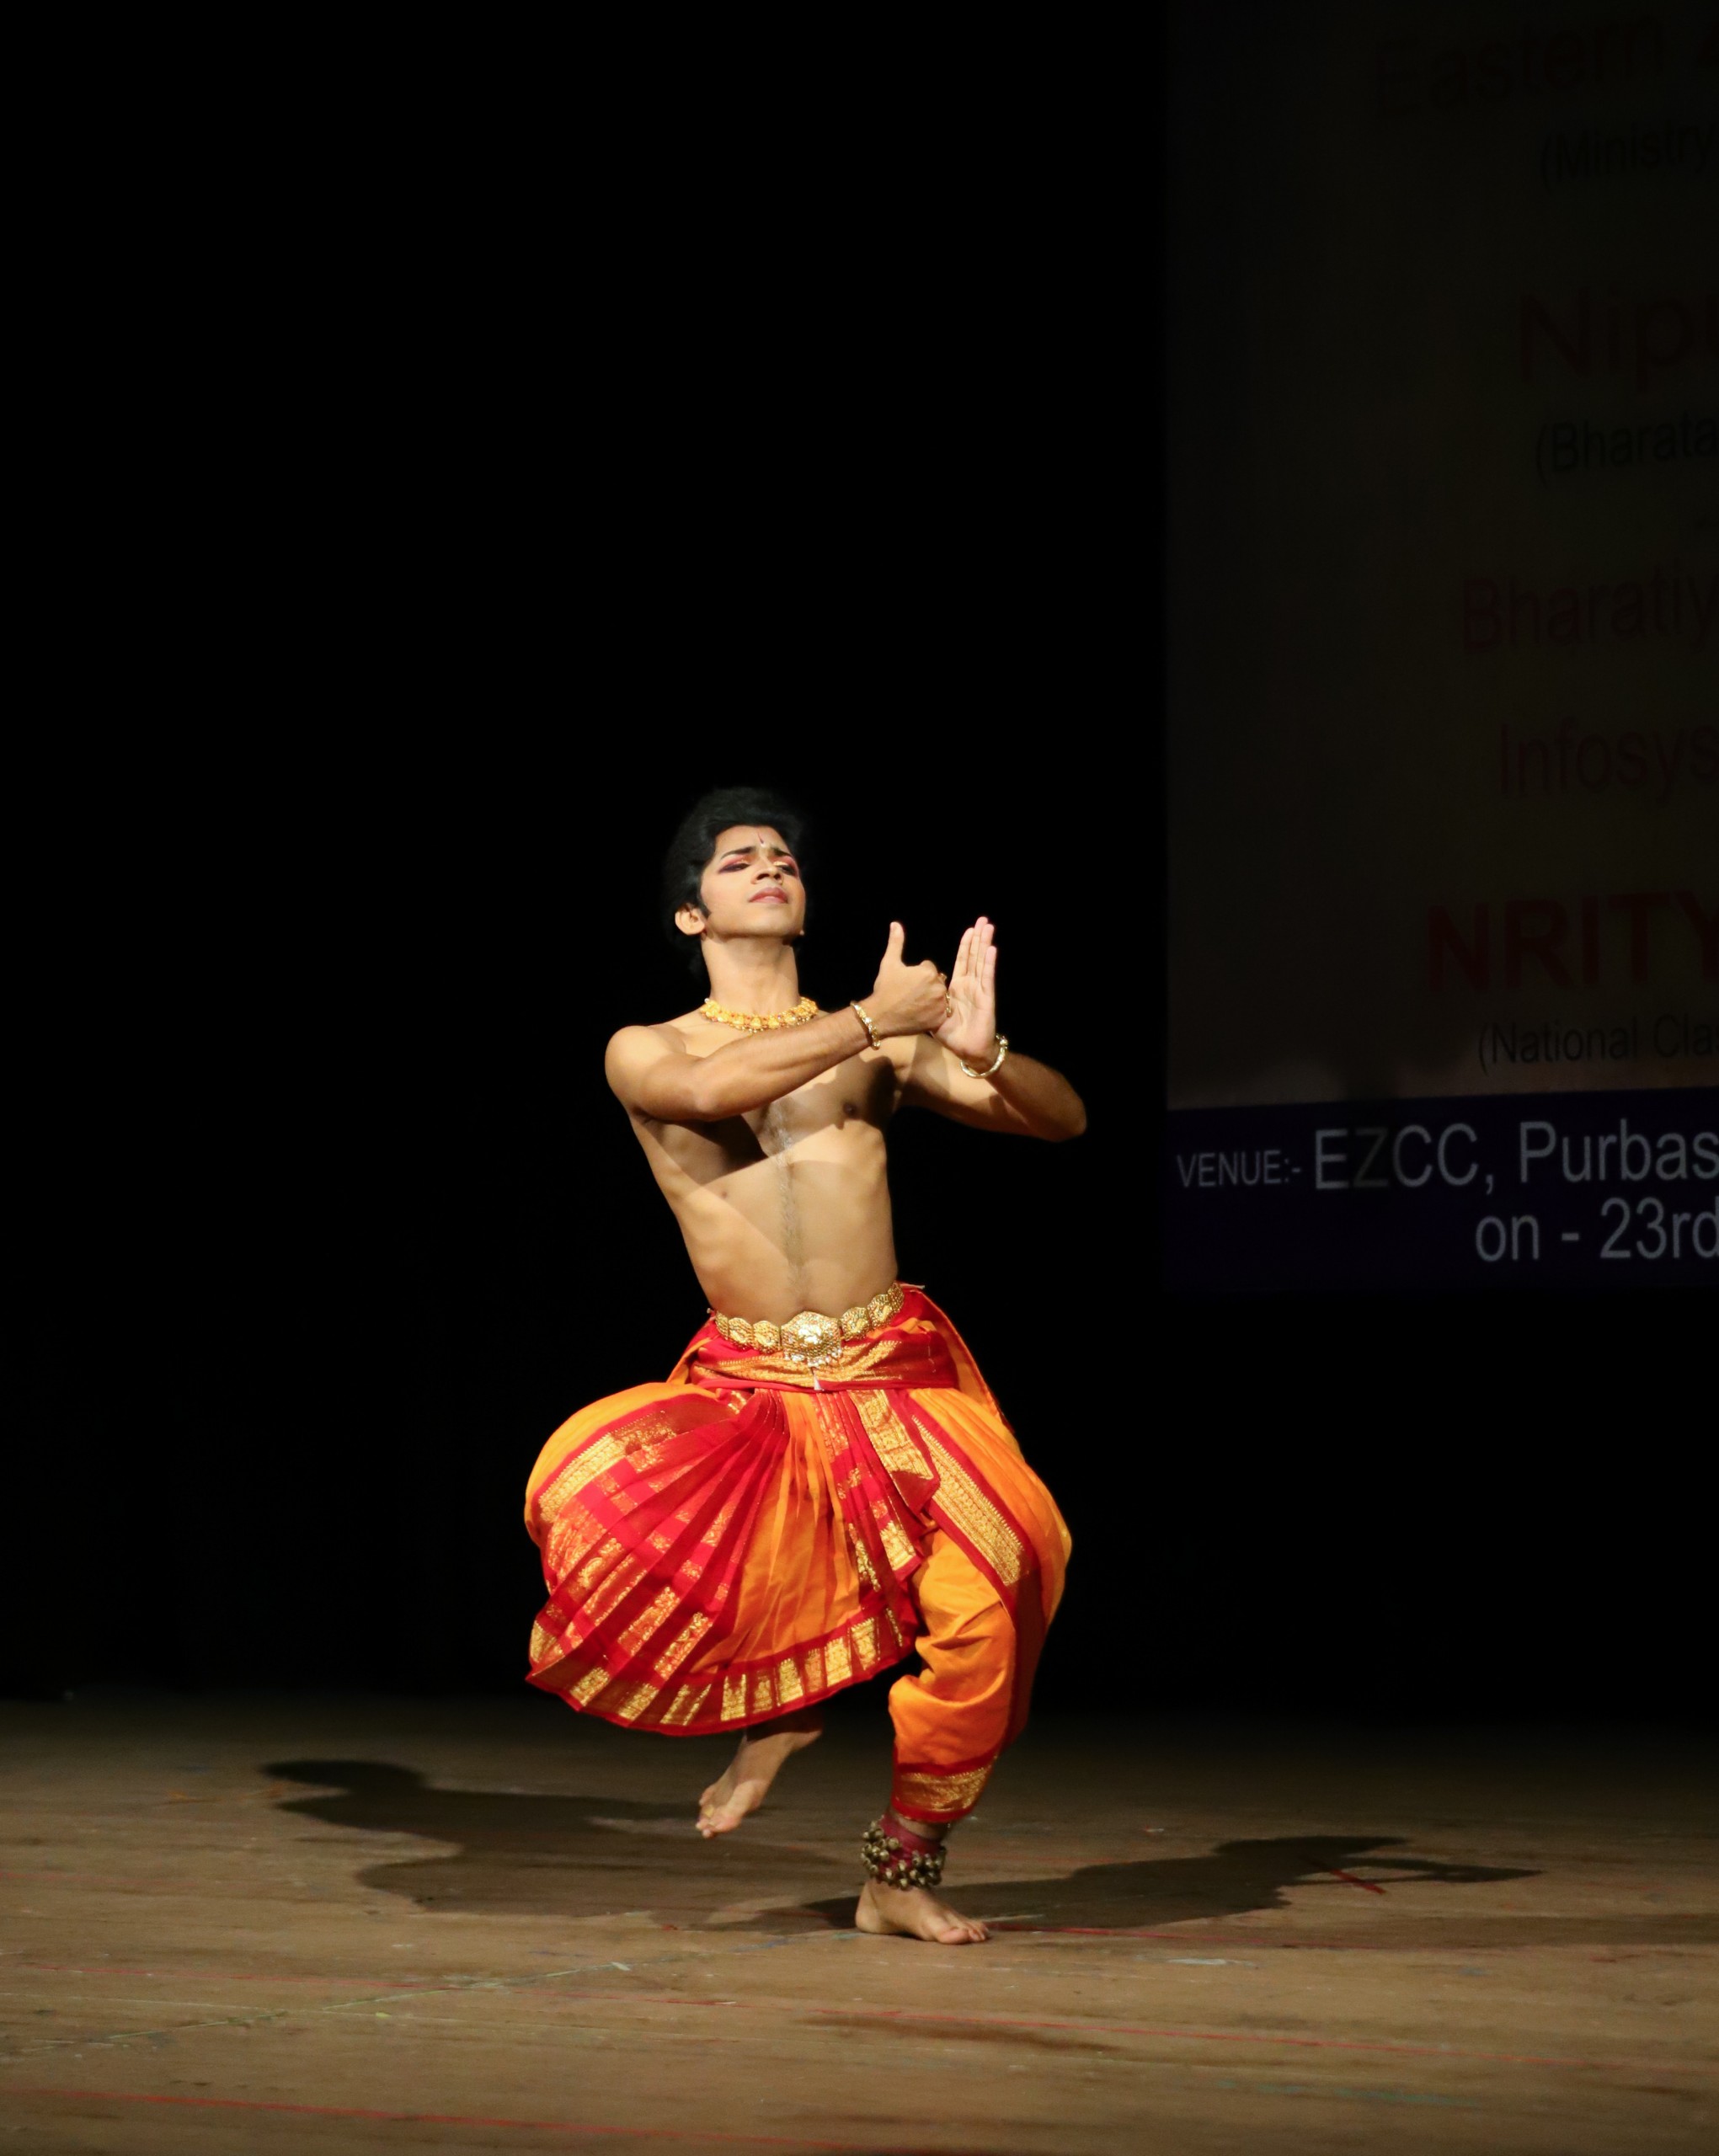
{"x": 901, "y": 1858}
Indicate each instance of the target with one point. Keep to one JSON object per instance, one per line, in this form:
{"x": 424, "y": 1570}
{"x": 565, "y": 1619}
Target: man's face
{"x": 752, "y": 886}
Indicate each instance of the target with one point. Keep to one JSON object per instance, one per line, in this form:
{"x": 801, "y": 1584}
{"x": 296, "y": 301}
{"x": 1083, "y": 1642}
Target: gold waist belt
{"x": 810, "y": 1338}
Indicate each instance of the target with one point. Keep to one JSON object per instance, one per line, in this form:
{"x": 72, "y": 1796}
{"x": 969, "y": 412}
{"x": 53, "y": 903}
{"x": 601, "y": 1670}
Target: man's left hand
{"x": 969, "y": 1030}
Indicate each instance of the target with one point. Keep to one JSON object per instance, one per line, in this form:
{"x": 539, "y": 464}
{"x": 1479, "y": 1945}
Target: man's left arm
{"x": 1019, "y": 1095}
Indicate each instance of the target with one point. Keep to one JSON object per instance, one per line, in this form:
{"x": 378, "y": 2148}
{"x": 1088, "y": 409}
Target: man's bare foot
{"x": 915, "y": 1912}
{"x": 753, "y": 1769}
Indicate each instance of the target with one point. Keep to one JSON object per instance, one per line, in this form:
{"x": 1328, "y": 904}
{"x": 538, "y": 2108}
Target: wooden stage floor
{"x": 257, "y": 1925}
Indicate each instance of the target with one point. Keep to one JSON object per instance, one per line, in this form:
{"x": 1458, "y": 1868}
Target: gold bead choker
{"x": 759, "y": 1022}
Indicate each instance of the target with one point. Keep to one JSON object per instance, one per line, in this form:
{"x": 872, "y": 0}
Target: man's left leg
{"x": 952, "y": 1719}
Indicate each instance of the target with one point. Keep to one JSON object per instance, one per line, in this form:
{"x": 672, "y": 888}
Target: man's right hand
{"x": 906, "y": 998}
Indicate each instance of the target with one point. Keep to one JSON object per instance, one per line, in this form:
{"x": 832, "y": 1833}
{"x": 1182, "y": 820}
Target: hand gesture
{"x": 906, "y": 998}
{"x": 969, "y": 1028}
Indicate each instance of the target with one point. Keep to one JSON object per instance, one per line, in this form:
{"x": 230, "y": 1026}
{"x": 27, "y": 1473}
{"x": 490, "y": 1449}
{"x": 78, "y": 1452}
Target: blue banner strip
{"x": 1542, "y": 1191}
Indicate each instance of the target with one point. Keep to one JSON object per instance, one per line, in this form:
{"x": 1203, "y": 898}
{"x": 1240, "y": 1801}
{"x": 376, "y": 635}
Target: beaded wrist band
{"x": 901, "y": 1858}
{"x": 998, "y": 1059}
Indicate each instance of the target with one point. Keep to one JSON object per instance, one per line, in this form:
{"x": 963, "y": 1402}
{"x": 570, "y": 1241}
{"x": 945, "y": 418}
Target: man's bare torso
{"x": 785, "y": 1208}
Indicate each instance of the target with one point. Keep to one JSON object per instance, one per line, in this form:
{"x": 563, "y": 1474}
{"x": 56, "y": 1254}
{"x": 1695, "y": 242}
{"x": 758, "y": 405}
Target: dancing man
{"x": 823, "y": 1485}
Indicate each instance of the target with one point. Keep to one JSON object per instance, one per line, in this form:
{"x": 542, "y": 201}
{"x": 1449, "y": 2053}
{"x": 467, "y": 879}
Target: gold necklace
{"x": 756, "y": 1022}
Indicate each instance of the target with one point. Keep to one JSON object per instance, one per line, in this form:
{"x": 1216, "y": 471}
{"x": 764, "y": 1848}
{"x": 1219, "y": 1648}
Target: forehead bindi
{"x": 747, "y": 840}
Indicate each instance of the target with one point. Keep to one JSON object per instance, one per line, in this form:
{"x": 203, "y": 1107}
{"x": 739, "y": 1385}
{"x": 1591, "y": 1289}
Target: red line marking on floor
{"x": 461, "y": 2118}
{"x": 238, "y": 1976}
{"x": 393, "y": 1986}
{"x": 1332, "y": 1871}
{"x": 1230, "y": 1938}
{"x": 88, "y": 1878}
{"x": 1233, "y": 2037}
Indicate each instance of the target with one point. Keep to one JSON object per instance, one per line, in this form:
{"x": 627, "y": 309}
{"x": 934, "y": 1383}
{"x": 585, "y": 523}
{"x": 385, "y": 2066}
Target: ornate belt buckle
{"x": 810, "y": 1339}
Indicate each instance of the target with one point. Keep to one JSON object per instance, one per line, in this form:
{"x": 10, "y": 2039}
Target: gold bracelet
{"x": 997, "y": 1061}
{"x": 859, "y": 1012}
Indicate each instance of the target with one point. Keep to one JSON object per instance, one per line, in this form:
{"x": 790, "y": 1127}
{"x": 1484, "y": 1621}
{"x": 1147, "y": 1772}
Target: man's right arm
{"x": 650, "y": 1068}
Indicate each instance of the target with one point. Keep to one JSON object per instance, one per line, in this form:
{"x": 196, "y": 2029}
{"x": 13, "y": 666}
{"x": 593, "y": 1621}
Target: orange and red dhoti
{"x": 752, "y": 1535}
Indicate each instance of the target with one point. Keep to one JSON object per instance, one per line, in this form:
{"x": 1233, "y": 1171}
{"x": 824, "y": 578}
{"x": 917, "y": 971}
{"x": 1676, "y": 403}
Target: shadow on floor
{"x": 527, "y": 1854}
{"x": 1236, "y": 1879}
{"x": 522, "y": 1853}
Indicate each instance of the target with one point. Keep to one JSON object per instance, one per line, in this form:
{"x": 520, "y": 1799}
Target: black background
{"x": 343, "y": 849}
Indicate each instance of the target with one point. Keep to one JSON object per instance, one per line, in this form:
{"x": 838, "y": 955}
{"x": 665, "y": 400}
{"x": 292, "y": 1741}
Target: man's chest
{"x": 840, "y": 1113}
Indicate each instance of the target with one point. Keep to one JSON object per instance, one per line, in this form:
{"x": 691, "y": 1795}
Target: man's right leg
{"x": 763, "y": 1749}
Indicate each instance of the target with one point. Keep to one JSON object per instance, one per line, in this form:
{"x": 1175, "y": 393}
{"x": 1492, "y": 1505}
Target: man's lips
{"x": 760, "y": 898}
